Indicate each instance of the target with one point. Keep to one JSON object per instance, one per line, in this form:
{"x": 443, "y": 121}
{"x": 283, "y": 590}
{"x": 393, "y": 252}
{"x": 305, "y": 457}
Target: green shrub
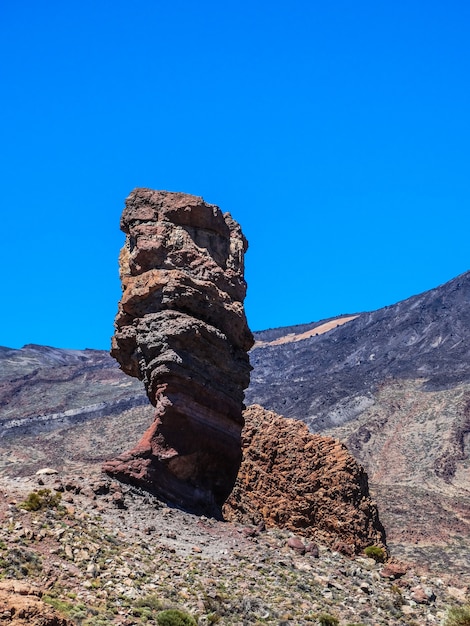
{"x": 327, "y": 620}
{"x": 96, "y": 620}
{"x": 376, "y": 552}
{"x": 20, "y": 563}
{"x": 60, "y": 605}
{"x": 458, "y": 616}
{"x": 149, "y": 602}
{"x": 175, "y": 617}
{"x": 42, "y": 499}
{"x": 146, "y": 606}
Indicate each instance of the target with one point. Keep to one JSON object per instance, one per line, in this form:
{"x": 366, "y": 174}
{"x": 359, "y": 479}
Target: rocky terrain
{"x": 181, "y": 329}
{"x": 99, "y": 552}
{"x": 404, "y": 415}
{"x": 21, "y": 604}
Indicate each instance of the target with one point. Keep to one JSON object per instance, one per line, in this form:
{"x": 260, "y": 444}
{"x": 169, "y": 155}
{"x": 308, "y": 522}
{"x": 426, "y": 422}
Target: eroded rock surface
{"x": 307, "y": 483}
{"x": 181, "y": 328}
{"x": 21, "y": 605}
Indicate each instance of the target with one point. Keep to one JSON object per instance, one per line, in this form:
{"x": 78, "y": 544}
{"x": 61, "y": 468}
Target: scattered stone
{"x": 68, "y": 551}
{"x": 407, "y": 609}
{"x": 423, "y": 595}
{"x": 312, "y": 549}
{"x": 394, "y": 570}
{"x": 46, "y": 471}
{"x": 117, "y": 499}
{"x": 21, "y": 605}
{"x": 460, "y": 594}
{"x": 93, "y": 569}
{"x": 72, "y": 486}
{"x": 365, "y": 587}
{"x": 296, "y": 544}
{"x": 344, "y": 548}
{"x": 261, "y": 527}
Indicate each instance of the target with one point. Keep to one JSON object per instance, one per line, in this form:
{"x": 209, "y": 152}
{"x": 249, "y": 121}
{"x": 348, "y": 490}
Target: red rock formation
{"x": 21, "y": 605}
{"x": 307, "y": 483}
{"x": 181, "y": 328}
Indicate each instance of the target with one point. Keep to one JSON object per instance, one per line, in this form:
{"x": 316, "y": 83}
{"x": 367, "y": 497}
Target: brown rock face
{"x": 304, "y": 482}
{"x": 181, "y": 328}
{"x": 20, "y": 605}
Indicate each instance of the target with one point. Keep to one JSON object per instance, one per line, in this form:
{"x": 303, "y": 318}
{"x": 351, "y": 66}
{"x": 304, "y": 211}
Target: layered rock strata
{"x": 181, "y": 329}
{"x": 291, "y": 478}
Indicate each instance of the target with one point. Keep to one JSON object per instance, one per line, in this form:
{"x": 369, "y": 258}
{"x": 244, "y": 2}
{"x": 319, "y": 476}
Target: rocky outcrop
{"x": 307, "y": 483}
{"x": 21, "y": 605}
{"x": 181, "y": 328}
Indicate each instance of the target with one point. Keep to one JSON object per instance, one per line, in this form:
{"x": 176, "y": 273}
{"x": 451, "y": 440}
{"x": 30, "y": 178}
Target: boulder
{"x": 309, "y": 484}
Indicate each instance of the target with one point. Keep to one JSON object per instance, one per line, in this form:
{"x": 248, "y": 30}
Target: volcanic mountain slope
{"x": 43, "y": 388}
{"x": 326, "y": 378}
{"x": 394, "y": 385}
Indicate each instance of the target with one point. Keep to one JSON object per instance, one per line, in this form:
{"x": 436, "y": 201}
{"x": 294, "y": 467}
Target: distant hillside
{"x": 327, "y": 379}
{"x": 271, "y": 334}
{"x": 43, "y": 388}
{"x": 394, "y": 385}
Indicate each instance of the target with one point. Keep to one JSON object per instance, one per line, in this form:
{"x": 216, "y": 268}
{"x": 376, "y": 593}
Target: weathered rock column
{"x": 181, "y": 328}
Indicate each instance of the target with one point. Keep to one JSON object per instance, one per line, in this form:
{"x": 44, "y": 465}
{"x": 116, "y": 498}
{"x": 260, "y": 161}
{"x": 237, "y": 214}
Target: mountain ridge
{"x": 394, "y": 334}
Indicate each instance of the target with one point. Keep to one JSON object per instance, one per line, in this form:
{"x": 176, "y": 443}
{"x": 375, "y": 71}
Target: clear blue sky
{"x": 337, "y": 134}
